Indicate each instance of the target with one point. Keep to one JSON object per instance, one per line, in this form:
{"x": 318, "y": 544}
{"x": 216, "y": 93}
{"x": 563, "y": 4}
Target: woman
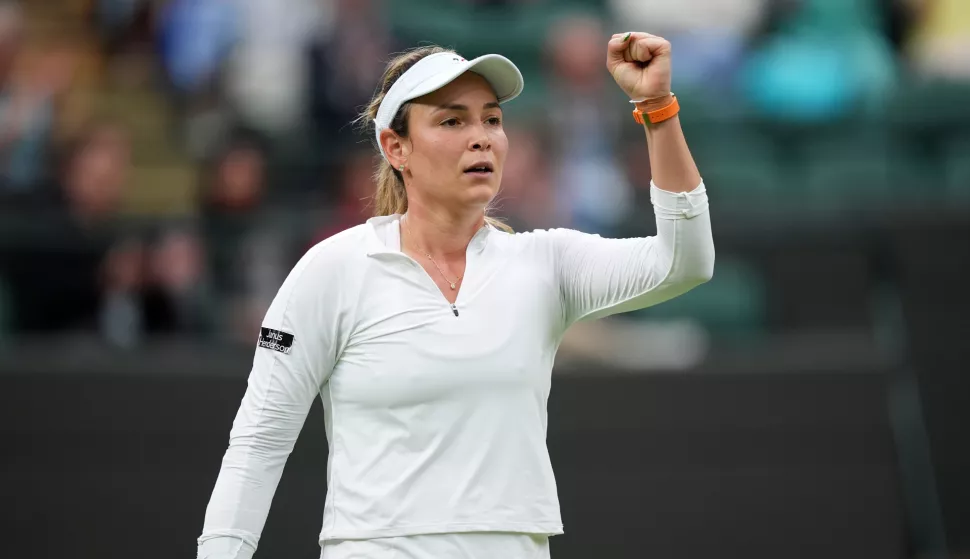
{"x": 430, "y": 331}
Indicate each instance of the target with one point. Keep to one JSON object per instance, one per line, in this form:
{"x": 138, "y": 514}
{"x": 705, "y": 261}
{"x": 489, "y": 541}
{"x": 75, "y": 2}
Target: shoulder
{"x": 539, "y": 239}
{"x": 343, "y": 248}
{"x": 539, "y": 249}
{"x": 330, "y": 267}
{"x": 324, "y": 283}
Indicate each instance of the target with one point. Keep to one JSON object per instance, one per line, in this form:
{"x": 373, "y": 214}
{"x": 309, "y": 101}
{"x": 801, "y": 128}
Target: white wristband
{"x": 646, "y": 99}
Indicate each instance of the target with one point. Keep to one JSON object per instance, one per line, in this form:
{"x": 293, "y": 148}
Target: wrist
{"x": 655, "y": 103}
{"x": 654, "y": 111}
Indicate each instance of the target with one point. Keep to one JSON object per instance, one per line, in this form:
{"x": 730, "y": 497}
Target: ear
{"x": 396, "y": 147}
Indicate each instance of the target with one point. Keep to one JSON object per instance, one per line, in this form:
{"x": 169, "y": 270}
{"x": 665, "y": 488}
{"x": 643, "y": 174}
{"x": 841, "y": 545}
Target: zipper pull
{"x": 454, "y": 309}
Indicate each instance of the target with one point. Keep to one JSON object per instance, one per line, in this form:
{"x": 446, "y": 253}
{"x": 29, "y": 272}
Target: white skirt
{"x": 471, "y": 545}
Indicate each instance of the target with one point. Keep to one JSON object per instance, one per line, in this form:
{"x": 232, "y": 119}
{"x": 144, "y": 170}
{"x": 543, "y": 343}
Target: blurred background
{"x": 164, "y": 163}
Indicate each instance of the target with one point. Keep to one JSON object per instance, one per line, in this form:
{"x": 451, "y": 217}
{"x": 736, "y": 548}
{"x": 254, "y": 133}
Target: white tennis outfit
{"x": 435, "y": 413}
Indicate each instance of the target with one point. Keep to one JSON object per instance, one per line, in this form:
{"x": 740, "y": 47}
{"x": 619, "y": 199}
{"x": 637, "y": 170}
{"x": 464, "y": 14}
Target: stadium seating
{"x": 742, "y": 159}
{"x": 846, "y": 165}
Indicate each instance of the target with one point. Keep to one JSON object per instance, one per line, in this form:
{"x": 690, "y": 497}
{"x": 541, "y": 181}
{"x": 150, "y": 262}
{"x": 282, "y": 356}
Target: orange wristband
{"x": 659, "y": 115}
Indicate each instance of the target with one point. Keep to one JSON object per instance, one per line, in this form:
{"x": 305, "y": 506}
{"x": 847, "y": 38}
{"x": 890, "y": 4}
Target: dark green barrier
{"x": 662, "y": 465}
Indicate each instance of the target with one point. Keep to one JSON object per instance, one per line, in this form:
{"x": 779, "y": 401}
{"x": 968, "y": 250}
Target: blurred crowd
{"x": 259, "y": 96}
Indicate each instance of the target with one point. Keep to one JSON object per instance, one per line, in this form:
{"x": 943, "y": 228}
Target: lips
{"x": 480, "y": 167}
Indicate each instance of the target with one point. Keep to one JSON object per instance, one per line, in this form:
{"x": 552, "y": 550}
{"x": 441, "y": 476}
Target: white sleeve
{"x": 297, "y": 347}
{"x": 599, "y": 277}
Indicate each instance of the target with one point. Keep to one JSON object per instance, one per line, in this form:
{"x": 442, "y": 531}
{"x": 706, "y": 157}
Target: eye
{"x": 494, "y": 121}
{"x": 451, "y": 122}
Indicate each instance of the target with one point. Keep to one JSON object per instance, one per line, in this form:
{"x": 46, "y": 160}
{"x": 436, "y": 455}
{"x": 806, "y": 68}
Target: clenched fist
{"x": 640, "y": 64}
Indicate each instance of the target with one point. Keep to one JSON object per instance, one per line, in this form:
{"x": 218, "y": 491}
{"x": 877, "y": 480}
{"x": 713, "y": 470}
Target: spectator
{"x": 585, "y": 128}
{"x": 346, "y": 62}
{"x": 195, "y": 40}
{"x": 821, "y": 59}
{"x": 26, "y": 109}
{"x": 76, "y": 267}
{"x": 176, "y": 298}
{"x": 73, "y": 268}
{"x": 266, "y": 74}
{"x": 247, "y": 258}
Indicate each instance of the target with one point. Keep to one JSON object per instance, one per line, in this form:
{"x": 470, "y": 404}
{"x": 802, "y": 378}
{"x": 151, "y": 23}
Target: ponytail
{"x": 390, "y": 197}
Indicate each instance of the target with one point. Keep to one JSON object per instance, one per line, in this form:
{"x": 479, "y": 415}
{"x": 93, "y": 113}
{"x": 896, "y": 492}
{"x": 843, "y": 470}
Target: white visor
{"x": 433, "y": 72}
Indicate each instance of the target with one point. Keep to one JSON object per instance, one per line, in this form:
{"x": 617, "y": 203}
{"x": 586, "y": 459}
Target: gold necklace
{"x": 431, "y": 258}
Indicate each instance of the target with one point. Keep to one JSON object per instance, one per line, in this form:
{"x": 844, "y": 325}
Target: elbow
{"x": 706, "y": 261}
{"x": 688, "y": 278}
{"x": 692, "y": 254}
{"x": 696, "y": 279}
{"x": 265, "y": 446}
{"x": 705, "y": 271}
{"x": 699, "y": 267}
{"x": 696, "y": 270}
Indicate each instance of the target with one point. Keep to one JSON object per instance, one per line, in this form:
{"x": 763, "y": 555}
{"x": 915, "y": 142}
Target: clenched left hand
{"x": 640, "y": 64}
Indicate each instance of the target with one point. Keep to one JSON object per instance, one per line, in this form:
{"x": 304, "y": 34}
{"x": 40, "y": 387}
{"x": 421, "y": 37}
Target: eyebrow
{"x": 458, "y": 107}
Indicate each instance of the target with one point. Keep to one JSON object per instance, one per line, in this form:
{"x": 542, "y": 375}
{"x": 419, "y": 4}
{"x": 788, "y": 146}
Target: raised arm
{"x": 295, "y": 354}
{"x": 598, "y": 277}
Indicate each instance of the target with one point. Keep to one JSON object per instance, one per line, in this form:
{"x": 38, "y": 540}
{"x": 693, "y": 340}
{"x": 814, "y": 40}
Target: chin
{"x": 481, "y": 189}
{"x": 479, "y": 195}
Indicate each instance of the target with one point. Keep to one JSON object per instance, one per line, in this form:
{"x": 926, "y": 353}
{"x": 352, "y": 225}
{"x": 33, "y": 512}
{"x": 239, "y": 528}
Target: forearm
{"x": 240, "y": 502}
{"x": 671, "y": 163}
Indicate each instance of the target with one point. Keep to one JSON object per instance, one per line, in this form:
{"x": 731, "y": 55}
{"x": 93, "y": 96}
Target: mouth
{"x": 480, "y": 169}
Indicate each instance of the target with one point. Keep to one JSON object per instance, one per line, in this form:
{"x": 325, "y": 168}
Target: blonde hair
{"x": 391, "y": 197}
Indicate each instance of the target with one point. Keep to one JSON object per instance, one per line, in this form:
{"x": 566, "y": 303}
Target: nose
{"x": 481, "y": 142}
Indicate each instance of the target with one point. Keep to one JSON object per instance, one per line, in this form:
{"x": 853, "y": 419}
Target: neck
{"x": 443, "y": 234}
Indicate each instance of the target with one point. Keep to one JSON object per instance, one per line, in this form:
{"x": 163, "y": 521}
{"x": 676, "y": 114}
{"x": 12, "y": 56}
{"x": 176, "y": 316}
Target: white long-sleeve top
{"x": 435, "y": 413}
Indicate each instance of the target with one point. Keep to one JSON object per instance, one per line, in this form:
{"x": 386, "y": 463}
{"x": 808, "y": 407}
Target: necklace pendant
{"x": 452, "y": 286}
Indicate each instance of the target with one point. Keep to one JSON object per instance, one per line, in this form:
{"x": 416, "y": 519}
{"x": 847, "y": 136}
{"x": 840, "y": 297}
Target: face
{"x": 240, "y": 177}
{"x": 456, "y": 146}
{"x": 98, "y": 172}
{"x": 573, "y": 45}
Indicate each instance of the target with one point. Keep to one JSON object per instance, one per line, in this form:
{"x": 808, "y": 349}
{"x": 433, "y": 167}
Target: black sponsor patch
{"x": 275, "y": 340}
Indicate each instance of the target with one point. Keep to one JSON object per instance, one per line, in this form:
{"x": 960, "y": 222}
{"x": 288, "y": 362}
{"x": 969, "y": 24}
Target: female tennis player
{"x": 430, "y": 331}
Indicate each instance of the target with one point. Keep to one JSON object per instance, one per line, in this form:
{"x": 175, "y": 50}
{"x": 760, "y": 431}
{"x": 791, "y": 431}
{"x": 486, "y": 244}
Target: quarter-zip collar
{"x": 385, "y": 236}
